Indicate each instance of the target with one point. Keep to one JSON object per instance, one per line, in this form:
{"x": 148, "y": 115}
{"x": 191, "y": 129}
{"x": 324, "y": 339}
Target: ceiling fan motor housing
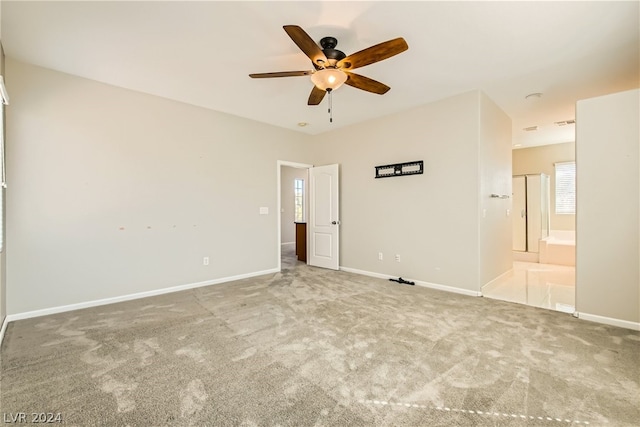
{"x": 329, "y": 49}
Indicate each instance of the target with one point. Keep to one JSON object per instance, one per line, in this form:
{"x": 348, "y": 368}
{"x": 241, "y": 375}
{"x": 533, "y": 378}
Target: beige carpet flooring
{"x": 312, "y": 347}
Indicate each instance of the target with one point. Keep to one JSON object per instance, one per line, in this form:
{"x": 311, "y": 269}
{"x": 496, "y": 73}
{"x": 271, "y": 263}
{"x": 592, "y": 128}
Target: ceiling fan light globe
{"x": 328, "y": 78}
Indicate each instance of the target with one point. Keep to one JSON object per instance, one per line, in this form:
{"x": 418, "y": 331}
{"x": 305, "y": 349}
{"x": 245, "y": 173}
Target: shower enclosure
{"x": 530, "y": 213}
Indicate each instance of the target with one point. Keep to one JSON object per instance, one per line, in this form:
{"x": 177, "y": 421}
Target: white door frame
{"x": 281, "y": 163}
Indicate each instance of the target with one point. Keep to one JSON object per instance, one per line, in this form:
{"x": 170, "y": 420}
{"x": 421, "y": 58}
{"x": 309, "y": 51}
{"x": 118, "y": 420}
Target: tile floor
{"x": 539, "y": 285}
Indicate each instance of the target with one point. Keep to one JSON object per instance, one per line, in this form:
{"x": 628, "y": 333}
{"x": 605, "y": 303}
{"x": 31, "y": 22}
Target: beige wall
{"x": 115, "y": 192}
{"x": 287, "y": 177}
{"x": 536, "y": 160}
{"x": 608, "y": 194}
{"x": 432, "y": 220}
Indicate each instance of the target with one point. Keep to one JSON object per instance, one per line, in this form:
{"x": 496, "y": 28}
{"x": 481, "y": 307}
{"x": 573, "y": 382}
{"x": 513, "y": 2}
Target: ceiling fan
{"x": 332, "y": 67}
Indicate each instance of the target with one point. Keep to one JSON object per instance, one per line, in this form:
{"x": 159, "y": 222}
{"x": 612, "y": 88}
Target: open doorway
{"x": 293, "y": 185}
{"x": 317, "y": 239}
{"x": 543, "y": 272}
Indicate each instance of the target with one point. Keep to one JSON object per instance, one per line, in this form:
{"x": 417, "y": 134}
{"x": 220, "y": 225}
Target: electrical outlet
{"x": 380, "y": 257}
{"x": 397, "y": 257}
{"x": 205, "y": 260}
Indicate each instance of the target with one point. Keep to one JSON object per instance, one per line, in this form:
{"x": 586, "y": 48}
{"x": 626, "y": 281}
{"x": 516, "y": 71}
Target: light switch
{"x": 264, "y": 210}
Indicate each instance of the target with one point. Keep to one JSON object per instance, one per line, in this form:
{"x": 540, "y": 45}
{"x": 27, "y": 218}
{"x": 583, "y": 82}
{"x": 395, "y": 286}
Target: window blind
{"x": 299, "y": 199}
{"x": 565, "y": 188}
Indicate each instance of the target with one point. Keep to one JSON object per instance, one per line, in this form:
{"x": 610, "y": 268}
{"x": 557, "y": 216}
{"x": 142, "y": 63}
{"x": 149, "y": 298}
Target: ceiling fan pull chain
{"x": 330, "y": 106}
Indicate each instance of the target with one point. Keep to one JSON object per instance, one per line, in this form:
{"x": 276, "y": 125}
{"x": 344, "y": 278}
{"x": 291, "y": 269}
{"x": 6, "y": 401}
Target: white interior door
{"x": 324, "y": 224}
{"x": 519, "y": 214}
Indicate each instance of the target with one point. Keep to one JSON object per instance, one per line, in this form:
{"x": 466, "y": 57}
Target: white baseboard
{"x": 287, "y": 243}
{"x": 417, "y": 282}
{"x": 105, "y": 301}
{"x": 609, "y": 321}
{"x": 490, "y": 282}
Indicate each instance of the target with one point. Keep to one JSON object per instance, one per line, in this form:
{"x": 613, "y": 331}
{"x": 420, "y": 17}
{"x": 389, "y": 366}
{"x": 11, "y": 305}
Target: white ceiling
{"x": 202, "y": 52}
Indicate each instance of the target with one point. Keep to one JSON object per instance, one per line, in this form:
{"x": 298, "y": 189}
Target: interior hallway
{"x": 538, "y": 285}
{"x": 288, "y": 257}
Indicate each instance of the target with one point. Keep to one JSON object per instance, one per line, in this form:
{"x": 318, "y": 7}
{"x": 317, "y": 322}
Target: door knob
{"x": 335, "y": 222}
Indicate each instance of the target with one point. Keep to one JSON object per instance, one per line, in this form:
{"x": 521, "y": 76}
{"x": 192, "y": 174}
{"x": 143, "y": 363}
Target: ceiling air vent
{"x": 565, "y": 122}
{"x": 531, "y": 128}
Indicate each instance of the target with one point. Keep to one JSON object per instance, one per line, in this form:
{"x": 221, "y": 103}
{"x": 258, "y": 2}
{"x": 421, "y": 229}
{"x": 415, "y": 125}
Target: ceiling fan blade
{"x": 365, "y": 83}
{"x": 373, "y": 54}
{"x": 280, "y": 74}
{"x": 306, "y": 44}
{"x": 316, "y": 96}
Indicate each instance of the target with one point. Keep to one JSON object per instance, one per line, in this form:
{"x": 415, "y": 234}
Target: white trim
{"x": 4, "y": 96}
{"x": 609, "y": 321}
{"x": 105, "y": 301}
{"x": 417, "y": 282}
{"x": 365, "y": 273}
{"x": 5, "y": 323}
{"x": 287, "y": 243}
{"x": 503, "y": 275}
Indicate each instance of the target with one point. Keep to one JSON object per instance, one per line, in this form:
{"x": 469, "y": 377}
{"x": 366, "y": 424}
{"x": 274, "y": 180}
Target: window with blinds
{"x": 565, "y": 188}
